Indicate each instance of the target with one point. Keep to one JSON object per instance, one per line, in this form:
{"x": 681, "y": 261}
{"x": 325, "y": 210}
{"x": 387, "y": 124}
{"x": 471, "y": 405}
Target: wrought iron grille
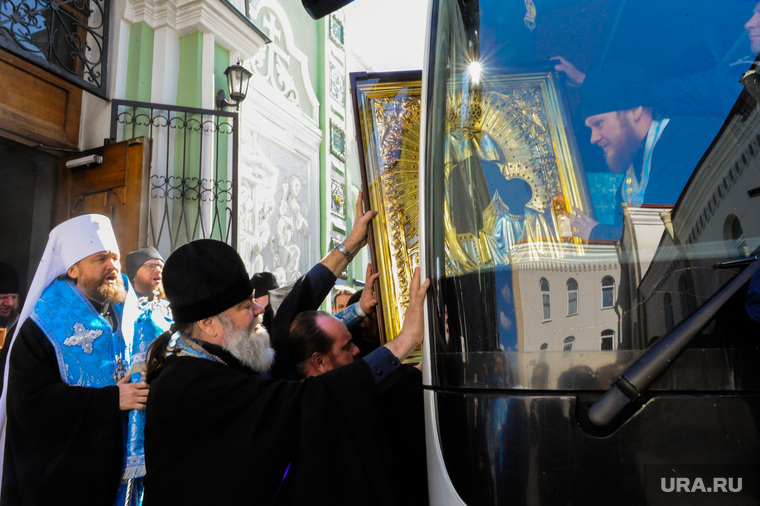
{"x": 193, "y": 170}
{"x": 67, "y": 37}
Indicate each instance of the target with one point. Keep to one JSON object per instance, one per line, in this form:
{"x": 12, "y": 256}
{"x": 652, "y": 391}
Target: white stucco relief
{"x": 292, "y": 230}
{"x": 256, "y": 205}
{"x": 279, "y": 156}
{"x": 275, "y": 231}
{"x": 281, "y": 64}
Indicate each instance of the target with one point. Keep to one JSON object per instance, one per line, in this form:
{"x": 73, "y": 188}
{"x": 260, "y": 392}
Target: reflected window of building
{"x": 608, "y": 292}
{"x": 608, "y": 339}
{"x": 572, "y": 297}
{"x": 567, "y": 345}
{"x": 543, "y": 347}
{"x": 734, "y": 235}
{"x": 546, "y": 300}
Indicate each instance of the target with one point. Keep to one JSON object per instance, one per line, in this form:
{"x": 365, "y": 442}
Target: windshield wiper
{"x": 646, "y": 369}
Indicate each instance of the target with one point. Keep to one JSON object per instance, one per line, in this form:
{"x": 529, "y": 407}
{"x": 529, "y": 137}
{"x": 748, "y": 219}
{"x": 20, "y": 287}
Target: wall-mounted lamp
{"x": 85, "y": 160}
{"x": 237, "y": 84}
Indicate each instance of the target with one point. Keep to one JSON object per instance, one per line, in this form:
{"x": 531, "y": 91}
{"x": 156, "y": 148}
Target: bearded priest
{"x": 68, "y": 394}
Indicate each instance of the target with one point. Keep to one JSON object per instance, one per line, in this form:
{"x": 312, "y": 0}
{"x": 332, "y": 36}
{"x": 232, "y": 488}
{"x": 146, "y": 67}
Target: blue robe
{"x": 65, "y": 433}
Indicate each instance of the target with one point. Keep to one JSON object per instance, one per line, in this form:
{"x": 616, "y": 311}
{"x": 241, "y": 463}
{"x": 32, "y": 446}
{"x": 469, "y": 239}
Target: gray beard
{"x": 250, "y": 346}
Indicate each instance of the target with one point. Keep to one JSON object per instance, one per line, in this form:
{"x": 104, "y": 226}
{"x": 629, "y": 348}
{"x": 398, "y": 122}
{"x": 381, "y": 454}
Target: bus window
{"x": 590, "y": 187}
{"x": 593, "y": 146}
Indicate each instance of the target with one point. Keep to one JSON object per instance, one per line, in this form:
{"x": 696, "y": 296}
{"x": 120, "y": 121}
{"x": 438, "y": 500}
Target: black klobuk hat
{"x": 204, "y": 278}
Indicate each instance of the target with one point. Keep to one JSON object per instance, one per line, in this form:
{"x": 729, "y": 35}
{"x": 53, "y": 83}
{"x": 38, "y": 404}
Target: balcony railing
{"x": 193, "y": 170}
{"x": 69, "y": 38}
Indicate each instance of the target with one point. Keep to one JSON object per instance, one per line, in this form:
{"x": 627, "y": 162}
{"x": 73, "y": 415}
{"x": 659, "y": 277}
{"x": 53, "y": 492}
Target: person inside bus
{"x": 710, "y": 92}
{"x": 655, "y": 154}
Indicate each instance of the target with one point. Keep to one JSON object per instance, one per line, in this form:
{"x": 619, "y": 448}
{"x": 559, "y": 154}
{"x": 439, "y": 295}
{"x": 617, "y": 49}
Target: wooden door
{"x": 118, "y": 188}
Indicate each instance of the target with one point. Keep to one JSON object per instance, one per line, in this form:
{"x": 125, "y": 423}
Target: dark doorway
{"x": 27, "y": 191}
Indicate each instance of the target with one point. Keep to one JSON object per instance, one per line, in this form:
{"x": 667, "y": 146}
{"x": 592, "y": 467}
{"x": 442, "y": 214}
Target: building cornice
{"x": 647, "y": 215}
{"x": 230, "y": 27}
{"x": 570, "y": 258}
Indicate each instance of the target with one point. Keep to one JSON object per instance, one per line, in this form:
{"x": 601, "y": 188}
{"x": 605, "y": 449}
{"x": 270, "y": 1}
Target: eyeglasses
{"x": 152, "y": 266}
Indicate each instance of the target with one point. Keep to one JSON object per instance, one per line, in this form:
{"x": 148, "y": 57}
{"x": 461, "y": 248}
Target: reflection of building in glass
{"x": 567, "y": 303}
{"x": 714, "y": 220}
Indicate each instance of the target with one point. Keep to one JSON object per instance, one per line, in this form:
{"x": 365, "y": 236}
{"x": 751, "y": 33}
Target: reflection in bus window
{"x": 687, "y": 295}
{"x": 546, "y": 301}
{"x": 646, "y": 148}
{"x": 618, "y": 171}
{"x": 668, "y": 310}
{"x": 608, "y": 338}
{"x": 572, "y": 297}
{"x": 608, "y": 292}
{"x": 737, "y": 237}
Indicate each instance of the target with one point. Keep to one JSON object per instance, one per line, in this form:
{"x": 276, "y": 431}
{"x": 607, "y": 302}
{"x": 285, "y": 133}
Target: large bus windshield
{"x": 586, "y": 169}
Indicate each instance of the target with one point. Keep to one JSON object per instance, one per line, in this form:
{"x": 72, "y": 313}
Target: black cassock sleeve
{"x": 345, "y": 441}
{"x": 307, "y": 294}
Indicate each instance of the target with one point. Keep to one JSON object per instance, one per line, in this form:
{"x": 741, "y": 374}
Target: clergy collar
{"x": 638, "y": 161}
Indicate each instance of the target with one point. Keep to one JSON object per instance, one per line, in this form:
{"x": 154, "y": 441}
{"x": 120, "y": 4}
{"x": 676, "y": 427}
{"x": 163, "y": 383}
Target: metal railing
{"x": 193, "y": 179}
{"x": 67, "y": 37}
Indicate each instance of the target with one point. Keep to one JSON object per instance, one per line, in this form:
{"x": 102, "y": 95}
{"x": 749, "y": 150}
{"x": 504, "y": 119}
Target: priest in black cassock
{"x": 219, "y": 430}
{"x": 66, "y": 405}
